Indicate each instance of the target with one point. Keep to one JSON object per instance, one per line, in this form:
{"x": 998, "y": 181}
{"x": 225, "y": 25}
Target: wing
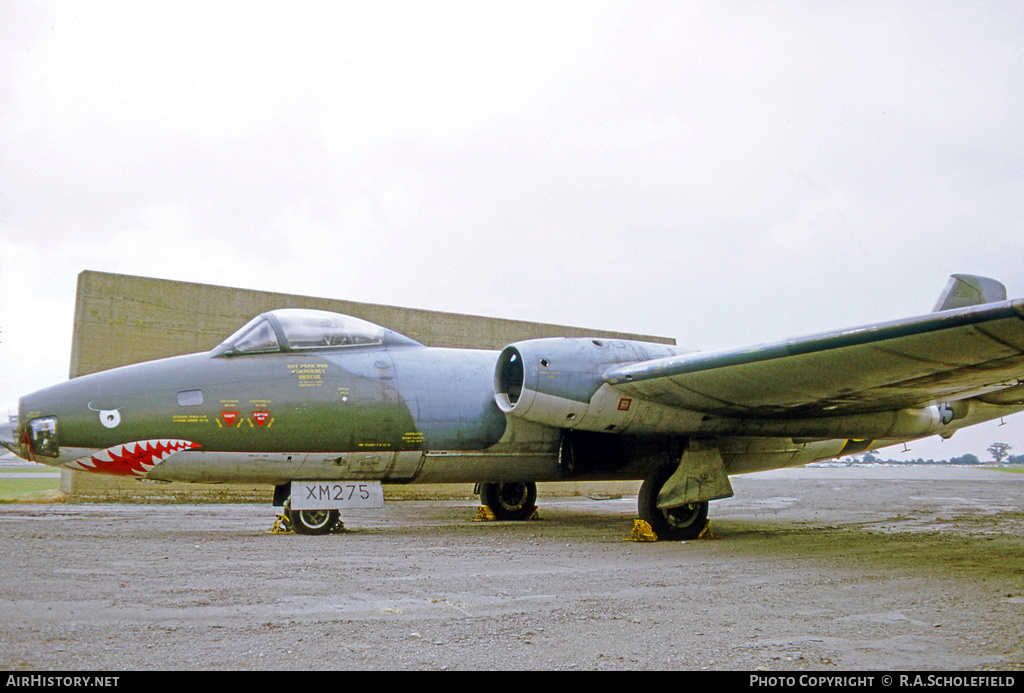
{"x": 915, "y": 362}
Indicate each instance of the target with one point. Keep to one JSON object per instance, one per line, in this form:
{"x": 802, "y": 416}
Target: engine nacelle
{"x": 560, "y": 381}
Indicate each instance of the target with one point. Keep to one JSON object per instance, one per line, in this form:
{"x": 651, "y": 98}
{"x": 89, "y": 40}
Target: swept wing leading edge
{"x": 943, "y": 356}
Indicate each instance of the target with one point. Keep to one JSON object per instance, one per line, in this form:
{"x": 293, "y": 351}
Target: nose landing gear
{"x": 314, "y": 521}
{"x": 306, "y": 521}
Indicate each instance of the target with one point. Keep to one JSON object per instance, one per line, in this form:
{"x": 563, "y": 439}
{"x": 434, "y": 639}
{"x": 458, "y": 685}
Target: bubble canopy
{"x": 297, "y": 329}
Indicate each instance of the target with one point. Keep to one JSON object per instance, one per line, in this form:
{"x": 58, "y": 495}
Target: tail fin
{"x": 965, "y": 290}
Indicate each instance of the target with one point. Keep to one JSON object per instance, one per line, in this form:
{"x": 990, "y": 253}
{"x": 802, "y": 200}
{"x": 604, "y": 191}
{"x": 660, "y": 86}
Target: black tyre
{"x": 510, "y": 501}
{"x": 675, "y": 524}
{"x": 313, "y": 521}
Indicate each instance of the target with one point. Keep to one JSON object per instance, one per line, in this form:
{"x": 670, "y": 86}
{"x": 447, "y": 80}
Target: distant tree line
{"x": 1000, "y": 455}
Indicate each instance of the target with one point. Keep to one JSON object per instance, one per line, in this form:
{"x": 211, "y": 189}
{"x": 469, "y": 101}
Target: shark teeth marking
{"x": 134, "y": 458}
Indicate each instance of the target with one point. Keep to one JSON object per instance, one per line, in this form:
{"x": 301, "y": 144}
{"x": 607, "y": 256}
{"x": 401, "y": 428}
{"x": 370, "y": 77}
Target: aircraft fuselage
{"x": 368, "y": 412}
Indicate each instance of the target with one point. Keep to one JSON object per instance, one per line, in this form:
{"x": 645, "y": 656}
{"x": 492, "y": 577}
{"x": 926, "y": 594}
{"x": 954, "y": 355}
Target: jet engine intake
{"x": 560, "y": 382}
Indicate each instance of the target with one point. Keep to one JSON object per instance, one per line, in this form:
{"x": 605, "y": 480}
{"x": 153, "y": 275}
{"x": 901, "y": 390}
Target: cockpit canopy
{"x": 296, "y": 329}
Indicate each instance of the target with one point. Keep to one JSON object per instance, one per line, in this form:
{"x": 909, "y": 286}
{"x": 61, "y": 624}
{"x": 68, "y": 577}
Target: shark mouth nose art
{"x": 131, "y": 459}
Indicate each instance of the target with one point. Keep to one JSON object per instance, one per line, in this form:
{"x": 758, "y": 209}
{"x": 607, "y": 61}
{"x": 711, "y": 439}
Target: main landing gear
{"x": 511, "y": 500}
{"x": 517, "y": 501}
{"x": 681, "y": 523}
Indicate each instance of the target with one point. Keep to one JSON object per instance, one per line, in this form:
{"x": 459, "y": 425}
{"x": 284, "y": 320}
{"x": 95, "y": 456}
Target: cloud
{"x": 722, "y": 174}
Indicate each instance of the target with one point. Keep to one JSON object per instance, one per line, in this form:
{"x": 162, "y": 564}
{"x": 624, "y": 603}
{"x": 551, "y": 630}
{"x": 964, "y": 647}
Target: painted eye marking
{"x": 110, "y": 418}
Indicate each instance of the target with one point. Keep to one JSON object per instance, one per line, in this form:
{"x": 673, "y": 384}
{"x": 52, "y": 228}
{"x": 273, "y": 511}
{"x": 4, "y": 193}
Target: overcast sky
{"x": 724, "y": 173}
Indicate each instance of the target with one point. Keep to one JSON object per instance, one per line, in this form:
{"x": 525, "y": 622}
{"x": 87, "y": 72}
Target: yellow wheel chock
{"x": 282, "y": 525}
{"x": 484, "y": 514}
{"x": 642, "y": 531}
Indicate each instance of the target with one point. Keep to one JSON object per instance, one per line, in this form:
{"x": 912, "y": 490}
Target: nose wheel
{"x": 313, "y": 521}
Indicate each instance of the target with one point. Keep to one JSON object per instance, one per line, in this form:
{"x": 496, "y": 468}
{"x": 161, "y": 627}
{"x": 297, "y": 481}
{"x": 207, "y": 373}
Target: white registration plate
{"x": 336, "y": 495}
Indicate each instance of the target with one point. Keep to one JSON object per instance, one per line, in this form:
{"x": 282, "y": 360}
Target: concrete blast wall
{"x": 122, "y": 319}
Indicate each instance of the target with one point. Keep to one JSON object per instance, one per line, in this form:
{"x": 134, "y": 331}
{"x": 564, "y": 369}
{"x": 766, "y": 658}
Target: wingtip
{"x": 964, "y": 290}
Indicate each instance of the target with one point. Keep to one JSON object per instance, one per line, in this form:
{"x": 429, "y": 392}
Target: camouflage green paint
{"x": 314, "y": 401}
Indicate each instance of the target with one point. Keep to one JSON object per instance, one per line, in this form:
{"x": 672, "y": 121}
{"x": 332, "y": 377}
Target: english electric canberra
{"x": 326, "y": 407}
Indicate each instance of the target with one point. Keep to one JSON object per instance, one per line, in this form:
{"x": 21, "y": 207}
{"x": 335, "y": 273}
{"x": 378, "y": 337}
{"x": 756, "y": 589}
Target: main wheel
{"x": 510, "y": 501}
{"x": 675, "y": 524}
{"x": 313, "y": 521}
